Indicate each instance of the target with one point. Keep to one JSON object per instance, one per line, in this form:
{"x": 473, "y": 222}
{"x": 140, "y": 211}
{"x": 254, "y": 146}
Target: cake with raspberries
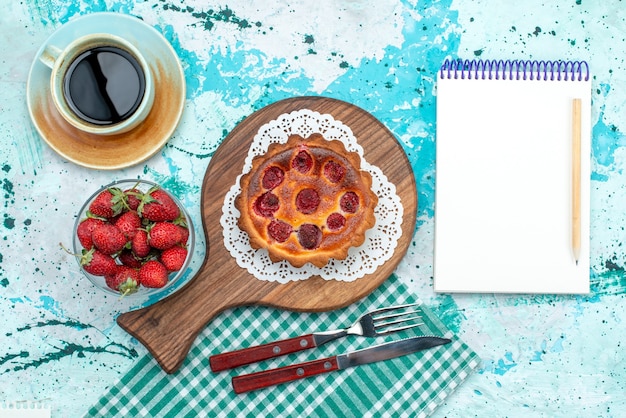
{"x": 306, "y": 201}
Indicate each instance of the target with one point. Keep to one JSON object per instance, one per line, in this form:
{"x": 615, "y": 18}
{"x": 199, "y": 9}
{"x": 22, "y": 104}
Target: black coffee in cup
{"x": 104, "y": 85}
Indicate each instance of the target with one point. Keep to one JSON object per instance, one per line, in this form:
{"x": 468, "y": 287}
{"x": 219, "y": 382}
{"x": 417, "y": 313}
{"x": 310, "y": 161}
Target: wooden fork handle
{"x": 263, "y": 379}
{"x": 230, "y": 360}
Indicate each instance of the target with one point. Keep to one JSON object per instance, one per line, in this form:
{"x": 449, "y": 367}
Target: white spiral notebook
{"x": 507, "y": 199}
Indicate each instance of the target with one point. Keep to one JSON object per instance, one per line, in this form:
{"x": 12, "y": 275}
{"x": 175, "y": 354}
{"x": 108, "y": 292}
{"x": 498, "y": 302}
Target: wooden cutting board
{"x": 169, "y": 327}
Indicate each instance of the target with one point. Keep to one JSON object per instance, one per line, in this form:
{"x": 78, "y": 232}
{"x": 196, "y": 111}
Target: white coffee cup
{"x": 100, "y": 83}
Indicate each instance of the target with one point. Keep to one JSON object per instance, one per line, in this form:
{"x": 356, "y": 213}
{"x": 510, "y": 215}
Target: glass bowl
{"x": 142, "y": 187}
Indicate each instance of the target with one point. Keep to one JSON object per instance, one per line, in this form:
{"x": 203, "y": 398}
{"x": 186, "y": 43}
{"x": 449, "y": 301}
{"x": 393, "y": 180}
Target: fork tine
{"x": 395, "y": 315}
{"x": 378, "y": 325}
{"x": 392, "y": 308}
{"x": 397, "y": 329}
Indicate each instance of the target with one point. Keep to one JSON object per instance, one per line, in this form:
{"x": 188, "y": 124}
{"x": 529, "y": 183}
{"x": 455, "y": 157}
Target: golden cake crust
{"x": 306, "y": 201}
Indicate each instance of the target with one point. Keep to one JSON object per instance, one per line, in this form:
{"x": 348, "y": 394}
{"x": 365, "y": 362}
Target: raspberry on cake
{"x": 306, "y": 201}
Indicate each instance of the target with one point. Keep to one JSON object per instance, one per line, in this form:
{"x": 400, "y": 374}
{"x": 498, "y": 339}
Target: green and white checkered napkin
{"x": 413, "y": 385}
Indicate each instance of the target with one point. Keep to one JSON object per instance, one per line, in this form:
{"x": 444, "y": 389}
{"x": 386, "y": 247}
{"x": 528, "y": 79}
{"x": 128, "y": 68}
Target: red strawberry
{"x": 157, "y": 205}
{"x": 125, "y": 280}
{"x": 85, "y": 229}
{"x": 133, "y": 198}
{"x": 128, "y": 222}
{"x": 184, "y": 234}
{"x": 139, "y": 245}
{"x": 109, "y": 203}
{"x": 108, "y": 238}
{"x": 129, "y": 259}
{"x": 98, "y": 263}
{"x": 164, "y": 235}
{"x": 174, "y": 258}
{"x": 153, "y": 274}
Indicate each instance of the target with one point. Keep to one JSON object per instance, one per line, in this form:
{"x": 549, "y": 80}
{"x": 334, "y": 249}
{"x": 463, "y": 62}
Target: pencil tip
{"x": 576, "y": 262}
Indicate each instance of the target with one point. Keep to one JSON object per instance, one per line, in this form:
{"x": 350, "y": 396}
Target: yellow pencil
{"x": 576, "y": 179}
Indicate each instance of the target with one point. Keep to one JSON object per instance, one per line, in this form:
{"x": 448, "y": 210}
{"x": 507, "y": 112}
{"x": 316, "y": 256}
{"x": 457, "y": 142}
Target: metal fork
{"x": 381, "y": 321}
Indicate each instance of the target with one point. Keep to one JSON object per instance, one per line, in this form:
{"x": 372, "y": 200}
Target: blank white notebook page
{"x": 503, "y": 205}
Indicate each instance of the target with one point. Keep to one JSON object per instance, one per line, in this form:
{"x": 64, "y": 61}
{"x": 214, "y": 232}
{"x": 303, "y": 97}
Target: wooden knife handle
{"x": 260, "y": 380}
{"x": 257, "y": 353}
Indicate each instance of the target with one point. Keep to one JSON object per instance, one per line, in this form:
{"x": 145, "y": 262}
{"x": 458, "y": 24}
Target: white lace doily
{"x": 380, "y": 241}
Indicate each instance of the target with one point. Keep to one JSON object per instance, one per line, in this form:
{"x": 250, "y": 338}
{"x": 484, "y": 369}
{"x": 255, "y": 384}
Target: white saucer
{"x": 115, "y": 151}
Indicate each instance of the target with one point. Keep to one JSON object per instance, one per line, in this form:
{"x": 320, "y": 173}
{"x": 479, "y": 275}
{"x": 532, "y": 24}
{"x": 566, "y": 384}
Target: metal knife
{"x": 259, "y": 380}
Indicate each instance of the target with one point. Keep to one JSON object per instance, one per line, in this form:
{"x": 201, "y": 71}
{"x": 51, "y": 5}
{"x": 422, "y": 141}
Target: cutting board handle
{"x": 168, "y": 348}
{"x": 168, "y": 331}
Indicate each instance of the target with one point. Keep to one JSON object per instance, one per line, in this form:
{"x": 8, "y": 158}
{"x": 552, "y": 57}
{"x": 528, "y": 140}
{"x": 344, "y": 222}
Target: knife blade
{"x": 386, "y": 351}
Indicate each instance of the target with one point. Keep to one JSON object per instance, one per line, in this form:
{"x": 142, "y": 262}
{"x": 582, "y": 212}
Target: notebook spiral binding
{"x": 24, "y": 405}
{"x": 515, "y": 70}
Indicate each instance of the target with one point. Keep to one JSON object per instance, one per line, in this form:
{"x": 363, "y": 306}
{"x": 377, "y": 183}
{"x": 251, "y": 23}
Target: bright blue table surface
{"x": 542, "y": 355}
